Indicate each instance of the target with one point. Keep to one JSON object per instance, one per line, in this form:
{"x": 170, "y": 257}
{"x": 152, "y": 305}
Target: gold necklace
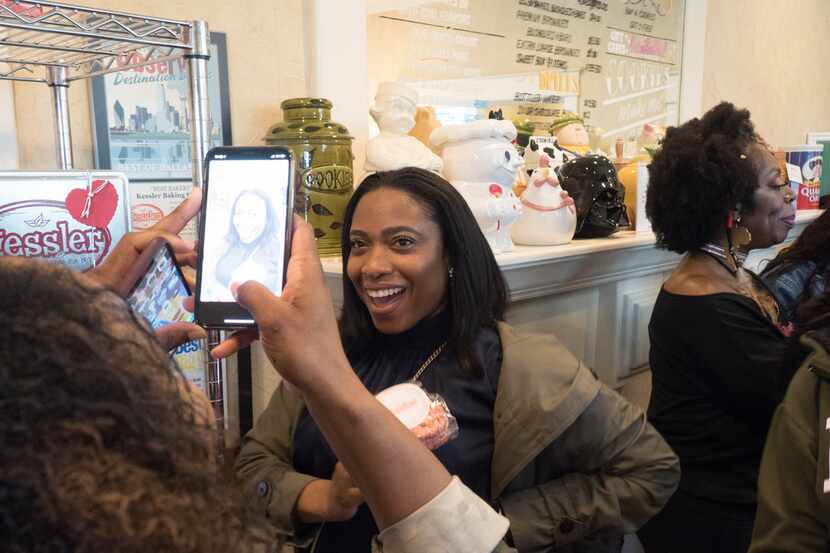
{"x": 744, "y": 285}
{"x": 428, "y": 362}
{"x": 765, "y": 302}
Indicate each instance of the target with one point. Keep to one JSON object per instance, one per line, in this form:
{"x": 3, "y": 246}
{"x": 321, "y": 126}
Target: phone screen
{"x": 245, "y": 220}
{"x": 159, "y": 293}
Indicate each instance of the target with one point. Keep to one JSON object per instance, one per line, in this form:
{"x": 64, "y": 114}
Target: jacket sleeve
{"x": 788, "y": 283}
{"x": 618, "y": 473}
{"x": 264, "y": 469}
{"x": 789, "y": 515}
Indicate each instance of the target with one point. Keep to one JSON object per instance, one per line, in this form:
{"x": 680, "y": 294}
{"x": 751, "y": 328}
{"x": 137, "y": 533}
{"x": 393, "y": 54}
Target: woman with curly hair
{"x": 717, "y": 338}
{"x": 104, "y": 447}
{"x": 800, "y": 272}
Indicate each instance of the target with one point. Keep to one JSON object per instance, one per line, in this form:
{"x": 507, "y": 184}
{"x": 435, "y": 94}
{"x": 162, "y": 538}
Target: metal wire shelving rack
{"x": 56, "y": 44}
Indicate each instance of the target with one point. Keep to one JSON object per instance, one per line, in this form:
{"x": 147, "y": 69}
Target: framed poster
{"x": 141, "y": 116}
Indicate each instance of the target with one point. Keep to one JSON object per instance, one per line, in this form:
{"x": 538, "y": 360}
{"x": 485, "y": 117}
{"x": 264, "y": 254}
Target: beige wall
{"x": 784, "y": 86}
{"x": 265, "y": 66}
{"x": 770, "y": 57}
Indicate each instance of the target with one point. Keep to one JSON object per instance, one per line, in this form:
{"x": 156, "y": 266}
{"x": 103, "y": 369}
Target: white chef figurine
{"x": 548, "y": 213}
{"x": 481, "y": 162}
{"x": 393, "y": 148}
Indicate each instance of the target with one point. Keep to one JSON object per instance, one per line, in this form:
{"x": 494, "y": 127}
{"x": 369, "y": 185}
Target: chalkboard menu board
{"x": 616, "y": 62}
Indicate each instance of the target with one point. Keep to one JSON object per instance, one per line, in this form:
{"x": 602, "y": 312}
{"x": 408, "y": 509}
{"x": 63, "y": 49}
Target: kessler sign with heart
{"x": 72, "y": 218}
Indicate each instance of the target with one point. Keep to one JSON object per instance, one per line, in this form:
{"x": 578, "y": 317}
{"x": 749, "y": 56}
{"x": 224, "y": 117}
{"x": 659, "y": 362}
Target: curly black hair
{"x": 103, "y": 448}
{"x": 700, "y": 173}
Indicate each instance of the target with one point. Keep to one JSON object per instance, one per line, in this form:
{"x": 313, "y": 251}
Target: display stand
{"x": 55, "y": 44}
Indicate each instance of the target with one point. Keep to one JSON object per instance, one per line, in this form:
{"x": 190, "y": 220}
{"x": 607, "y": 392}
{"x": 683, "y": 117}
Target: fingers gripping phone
{"x": 245, "y": 231}
{"x": 160, "y": 287}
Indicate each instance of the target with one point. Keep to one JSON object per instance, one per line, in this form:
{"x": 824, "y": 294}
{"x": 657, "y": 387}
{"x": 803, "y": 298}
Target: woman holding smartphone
{"x": 571, "y": 464}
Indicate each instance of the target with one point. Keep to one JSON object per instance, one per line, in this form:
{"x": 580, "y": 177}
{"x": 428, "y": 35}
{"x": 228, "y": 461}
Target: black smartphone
{"x": 245, "y": 231}
{"x": 160, "y": 286}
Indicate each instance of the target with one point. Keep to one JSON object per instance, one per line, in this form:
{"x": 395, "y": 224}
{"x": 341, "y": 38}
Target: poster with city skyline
{"x": 141, "y": 116}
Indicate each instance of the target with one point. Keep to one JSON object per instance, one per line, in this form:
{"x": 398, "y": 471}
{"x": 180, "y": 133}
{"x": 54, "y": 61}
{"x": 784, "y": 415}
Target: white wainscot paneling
{"x": 595, "y": 295}
{"x": 571, "y": 317}
{"x": 634, "y": 302}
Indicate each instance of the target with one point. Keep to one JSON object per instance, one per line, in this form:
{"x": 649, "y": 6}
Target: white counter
{"x": 596, "y": 295}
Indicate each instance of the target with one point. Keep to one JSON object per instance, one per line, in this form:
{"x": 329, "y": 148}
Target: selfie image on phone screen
{"x": 244, "y": 226}
{"x": 158, "y": 295}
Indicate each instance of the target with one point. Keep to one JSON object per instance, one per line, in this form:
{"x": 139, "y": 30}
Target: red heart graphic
{"x": 102, "y": 204}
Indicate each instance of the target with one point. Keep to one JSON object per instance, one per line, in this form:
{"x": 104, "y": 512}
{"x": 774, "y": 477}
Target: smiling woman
{"x": 413, "y": 231}
{"x": 399, "y": 272}
{"x": 424, "y": 301}
{"x": 715, "y": 192}
{"x": 252, "y": 251}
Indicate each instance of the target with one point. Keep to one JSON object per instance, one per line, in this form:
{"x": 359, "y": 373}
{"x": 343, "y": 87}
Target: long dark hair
{"x": 477, "y": 292}
{"x": 812, "y": 245}
{"x": 238, "y": 251}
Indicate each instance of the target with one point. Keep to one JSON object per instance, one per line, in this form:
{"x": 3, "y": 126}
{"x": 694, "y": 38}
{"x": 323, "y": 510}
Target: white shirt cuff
{"x": 454, "y": 521}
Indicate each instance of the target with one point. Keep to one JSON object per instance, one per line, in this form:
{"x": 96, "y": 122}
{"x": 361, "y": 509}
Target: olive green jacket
{"x": 794, "y": 483}
{"x": 575, "y": 466}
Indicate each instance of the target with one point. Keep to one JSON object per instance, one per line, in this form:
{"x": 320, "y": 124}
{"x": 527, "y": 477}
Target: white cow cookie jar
{"x": 481, "y": 162}
{"x": 548, "y": 212}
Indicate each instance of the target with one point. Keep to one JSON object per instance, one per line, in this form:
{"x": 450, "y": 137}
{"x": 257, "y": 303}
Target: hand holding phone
{"x": 160, "y": 287}
{"x": 285, "y": 322}
{"x": 125, "y": 254}
{"x": 245, "y": 230}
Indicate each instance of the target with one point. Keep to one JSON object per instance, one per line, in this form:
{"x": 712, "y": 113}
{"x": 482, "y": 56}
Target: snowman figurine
{"x": 548, "y": 212}
{"x": 481, "y": 162}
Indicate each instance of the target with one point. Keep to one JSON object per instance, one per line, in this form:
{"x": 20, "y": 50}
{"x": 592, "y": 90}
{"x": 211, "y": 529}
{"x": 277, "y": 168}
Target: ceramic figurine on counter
{"x": 556, "y": 154}
{"x": 650, "y": 138}
{"x": 648, "y": 142}
{"x": 571, "y": 135}
{"x": 425, "y": 122}
{"x": 531, "y": 156}
{"x": 524, "y": 130}
{"x": 481, "y": 162}
{"x": 394, "y": 112}
{"x": 521, "y": 181}
{"x": 598, "y": 194}
{"x": 323, "y": 174}
{"x": 599, "y": 144}
{"x": 548, "y": 213}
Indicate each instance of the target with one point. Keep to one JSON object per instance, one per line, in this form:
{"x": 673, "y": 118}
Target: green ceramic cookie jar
{"x": 323, "y": 158}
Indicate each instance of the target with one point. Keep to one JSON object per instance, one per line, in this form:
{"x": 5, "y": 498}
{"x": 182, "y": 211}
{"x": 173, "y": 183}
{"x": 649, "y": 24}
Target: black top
{"x": 718, "y": 375}
{"x": 395, "y": 359}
